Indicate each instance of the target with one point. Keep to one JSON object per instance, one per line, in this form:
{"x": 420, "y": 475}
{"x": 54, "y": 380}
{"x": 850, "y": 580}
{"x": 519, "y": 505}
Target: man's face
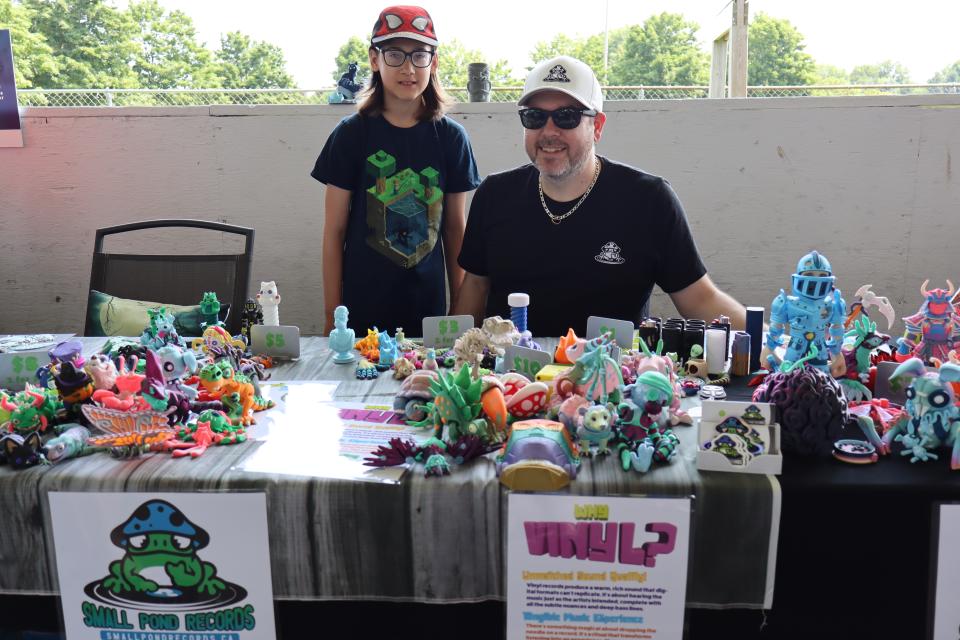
{"x": 561, "y": 153}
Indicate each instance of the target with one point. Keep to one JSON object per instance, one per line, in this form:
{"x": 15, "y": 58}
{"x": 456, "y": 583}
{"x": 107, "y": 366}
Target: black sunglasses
{"x": 564, "y": 117}
{"x": 420, "y": 58}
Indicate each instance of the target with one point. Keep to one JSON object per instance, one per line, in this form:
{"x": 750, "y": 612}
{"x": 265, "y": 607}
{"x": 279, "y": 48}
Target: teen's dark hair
{"x": 434, "y": 99}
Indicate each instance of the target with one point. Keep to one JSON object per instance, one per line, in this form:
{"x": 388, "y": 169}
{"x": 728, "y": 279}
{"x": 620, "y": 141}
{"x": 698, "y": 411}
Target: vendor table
{"x": 424, "y": 540}
{"x": 855, "y": 551}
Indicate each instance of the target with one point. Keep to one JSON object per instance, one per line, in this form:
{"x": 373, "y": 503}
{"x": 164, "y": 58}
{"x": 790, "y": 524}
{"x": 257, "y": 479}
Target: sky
{"x": 921, "y": 34}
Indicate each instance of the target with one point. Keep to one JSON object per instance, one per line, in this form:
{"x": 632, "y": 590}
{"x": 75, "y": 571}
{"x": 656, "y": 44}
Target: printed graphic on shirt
{"x": 403, "y": 210}
{"x": 610, "y": 254}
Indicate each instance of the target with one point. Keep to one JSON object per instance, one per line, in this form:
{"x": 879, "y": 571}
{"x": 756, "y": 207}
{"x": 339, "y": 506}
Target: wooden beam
{"x": 738, "y": 49}
{"x": 718, "y": 67}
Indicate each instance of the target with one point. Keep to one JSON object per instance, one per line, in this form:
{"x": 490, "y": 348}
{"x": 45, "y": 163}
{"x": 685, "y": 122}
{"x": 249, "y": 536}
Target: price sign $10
{"x": 525, "y": 366}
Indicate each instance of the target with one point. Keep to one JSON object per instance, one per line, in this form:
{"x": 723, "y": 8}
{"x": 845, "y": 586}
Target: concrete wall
{"x": 867, "y": 181}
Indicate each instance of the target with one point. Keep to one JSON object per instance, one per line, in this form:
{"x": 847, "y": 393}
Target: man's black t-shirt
{"x": 629, "y": 234}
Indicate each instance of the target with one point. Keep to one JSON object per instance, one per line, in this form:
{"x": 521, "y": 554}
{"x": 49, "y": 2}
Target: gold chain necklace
{"x": 555, "y": 219}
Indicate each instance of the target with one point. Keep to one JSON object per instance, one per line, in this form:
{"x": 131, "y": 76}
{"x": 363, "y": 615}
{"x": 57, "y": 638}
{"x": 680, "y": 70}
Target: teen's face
{"x": 404, "y": 83}
{"x": 561, "y": 153}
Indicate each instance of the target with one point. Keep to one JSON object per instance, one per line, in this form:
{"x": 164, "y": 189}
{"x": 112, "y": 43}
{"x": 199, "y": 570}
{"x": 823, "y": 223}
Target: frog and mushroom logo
{"x": 160, "y": 565}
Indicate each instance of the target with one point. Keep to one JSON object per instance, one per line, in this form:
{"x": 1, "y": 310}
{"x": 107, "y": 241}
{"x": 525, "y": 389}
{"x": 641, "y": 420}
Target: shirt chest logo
{"x": 610, "y": 254}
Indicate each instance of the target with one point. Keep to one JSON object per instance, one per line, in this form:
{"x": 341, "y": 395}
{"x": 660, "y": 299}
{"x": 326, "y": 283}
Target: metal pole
{"x": 606, "y": 43}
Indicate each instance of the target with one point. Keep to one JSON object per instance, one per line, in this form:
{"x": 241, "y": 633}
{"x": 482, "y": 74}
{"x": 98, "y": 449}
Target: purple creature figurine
{"x": 539, "y": 455}
{"x": 173, "y": 403}
{"x": 934, "y": 330}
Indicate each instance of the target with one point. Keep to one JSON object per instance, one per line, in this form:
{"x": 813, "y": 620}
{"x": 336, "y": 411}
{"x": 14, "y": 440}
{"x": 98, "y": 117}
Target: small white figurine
{"x": 269, "y": 299}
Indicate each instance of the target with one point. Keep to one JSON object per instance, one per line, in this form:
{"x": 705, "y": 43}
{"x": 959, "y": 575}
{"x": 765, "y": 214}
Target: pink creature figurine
{"x": 202, "y": 439}
{"x": 128, "y": 383}
{"x": 102, "y": 370}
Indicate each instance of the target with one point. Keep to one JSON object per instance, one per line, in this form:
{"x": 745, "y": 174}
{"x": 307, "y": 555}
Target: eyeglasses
{"x": 397, "y": 57}
{"x": 564, "y": 117}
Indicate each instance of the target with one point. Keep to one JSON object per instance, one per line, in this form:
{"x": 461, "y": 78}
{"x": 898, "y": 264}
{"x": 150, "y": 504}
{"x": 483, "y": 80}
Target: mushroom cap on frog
{"x": 159, "y": 516}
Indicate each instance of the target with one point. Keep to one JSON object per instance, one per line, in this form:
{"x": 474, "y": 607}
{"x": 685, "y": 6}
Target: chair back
{"x": 175, "y": 278}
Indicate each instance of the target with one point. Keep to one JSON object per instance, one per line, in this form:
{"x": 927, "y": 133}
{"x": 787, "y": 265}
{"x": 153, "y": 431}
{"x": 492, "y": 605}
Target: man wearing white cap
{"x": 582, "y": 234}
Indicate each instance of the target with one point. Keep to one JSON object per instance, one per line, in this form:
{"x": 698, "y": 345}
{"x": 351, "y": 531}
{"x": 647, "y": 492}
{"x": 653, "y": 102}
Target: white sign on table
{"x": 147, "y": 566}
{"x": 524, "y": 361}
{"x": 946, "y": 623}
{"x": 308, "y": 434}
{"x": 621, "y": 330}
{"x": 277, "y": 341}
{"x": 22, "y": 355}
{"x": 596, "y": 567}
{"x": 440, "y": 332}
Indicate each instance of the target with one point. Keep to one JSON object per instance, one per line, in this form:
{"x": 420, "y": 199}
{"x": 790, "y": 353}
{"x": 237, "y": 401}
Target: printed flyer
{"x": 176, "y": 566}
{"x": 947, "y": 613}
{"x": 596, "y": 567}
{"x": 308, "y": 434}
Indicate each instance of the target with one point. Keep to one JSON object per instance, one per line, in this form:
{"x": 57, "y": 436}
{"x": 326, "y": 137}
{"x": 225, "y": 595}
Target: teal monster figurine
{"x": 388, "y": 351}
{"x": 161, "y": 330}
{"x": 645, "y": 436}
{"x": 158, "y": 534}
{"x": 341, "y": 338}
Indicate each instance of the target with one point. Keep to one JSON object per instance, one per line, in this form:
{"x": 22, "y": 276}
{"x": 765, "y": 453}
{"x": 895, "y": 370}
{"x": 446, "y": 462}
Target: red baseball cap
{"x": 404, "y": 21}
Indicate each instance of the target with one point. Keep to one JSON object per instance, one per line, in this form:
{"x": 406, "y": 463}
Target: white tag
{"x": 622, "y": 330}
{"x": 276, "y": 342}
{"x": 526, "y": 362}
{"x": 440, "y": 332}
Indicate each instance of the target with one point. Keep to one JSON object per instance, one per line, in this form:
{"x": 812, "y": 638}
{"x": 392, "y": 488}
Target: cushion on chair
{"x": 109, "y": 315}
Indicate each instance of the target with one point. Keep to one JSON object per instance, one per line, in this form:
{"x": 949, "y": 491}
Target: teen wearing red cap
{"x": 396, "y": 176}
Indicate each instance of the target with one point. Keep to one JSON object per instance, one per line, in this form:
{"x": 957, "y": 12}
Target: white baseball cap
{"x": 566, "y": 75}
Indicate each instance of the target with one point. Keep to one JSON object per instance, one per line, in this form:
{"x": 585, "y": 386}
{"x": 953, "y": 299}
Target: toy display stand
{"x": 760, "y": 415}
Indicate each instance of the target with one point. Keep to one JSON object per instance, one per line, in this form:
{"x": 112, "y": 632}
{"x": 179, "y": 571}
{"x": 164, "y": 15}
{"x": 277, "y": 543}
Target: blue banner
{"x": 9, "y": 114}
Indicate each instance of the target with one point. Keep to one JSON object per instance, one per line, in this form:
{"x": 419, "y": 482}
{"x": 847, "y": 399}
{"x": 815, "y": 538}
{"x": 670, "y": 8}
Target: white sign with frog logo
{"x": 947, "y": 614}
{"x": 136, "y": 566}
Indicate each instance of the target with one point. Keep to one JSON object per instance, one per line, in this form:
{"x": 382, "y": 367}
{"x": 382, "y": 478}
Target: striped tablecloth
{"x": 425, "y": 539}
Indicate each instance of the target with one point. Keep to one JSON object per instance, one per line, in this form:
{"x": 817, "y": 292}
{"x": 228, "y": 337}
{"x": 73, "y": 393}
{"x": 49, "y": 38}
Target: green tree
{"x": 353, "y": 50}
{"x": 588, "y": 50}
{"x": 33, "y": 57}
{"x": 244, "y": 63}
{"x": 662, "y": 51}
{"x": 91, "y": 42}
{"x": 170, "y": 56}
{"x": 830, "y": 74}
{"x": 454, "y": 58}
{"x": 950, "y": 73}
{"x": 776, "y": 55}
{"x": 886, "y": 72}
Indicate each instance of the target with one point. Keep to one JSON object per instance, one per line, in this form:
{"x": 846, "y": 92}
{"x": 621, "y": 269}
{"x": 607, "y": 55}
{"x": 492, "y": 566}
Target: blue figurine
{"x": 388, "y": 351}
{"x": 814, "y": 311}
{"x": 347, "y": 87}
{"x": 341, "y": 338}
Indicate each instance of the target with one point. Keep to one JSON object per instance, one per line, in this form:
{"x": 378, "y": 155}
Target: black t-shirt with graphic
{"x": 393, "y": 262}
{"x": 629, "y": 234}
